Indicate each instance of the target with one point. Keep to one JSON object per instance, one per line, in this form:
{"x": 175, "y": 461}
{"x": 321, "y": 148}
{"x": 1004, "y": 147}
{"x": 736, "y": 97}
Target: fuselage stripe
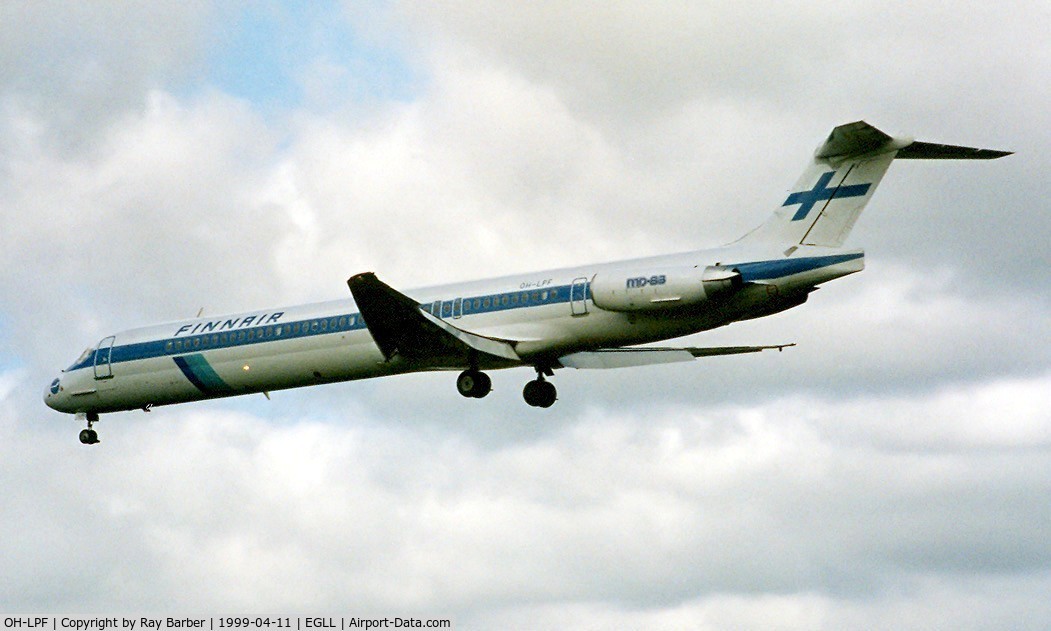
{"x": 322, "y": 325}
{"x": 769, "y": 270}
{"x": 201, "y": 374}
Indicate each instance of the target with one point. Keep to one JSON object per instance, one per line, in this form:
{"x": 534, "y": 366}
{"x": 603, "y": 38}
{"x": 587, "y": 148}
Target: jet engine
{"x": 670, "y": 288}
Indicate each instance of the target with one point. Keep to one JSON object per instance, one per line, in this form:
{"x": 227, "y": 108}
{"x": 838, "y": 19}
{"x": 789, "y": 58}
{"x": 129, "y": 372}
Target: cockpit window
{"x": 88, "y": 352}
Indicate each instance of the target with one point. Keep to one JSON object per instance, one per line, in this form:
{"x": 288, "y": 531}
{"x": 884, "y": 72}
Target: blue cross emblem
{"x": 807, "y": 199}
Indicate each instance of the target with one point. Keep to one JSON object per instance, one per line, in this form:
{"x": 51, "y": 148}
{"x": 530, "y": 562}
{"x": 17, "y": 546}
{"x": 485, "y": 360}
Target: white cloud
{"x": 669, "y": 516}
{"x": 889, "y": 471}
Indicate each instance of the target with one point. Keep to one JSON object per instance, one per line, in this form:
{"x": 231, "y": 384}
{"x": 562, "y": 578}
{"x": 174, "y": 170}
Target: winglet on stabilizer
{"x": 857, "y": 139}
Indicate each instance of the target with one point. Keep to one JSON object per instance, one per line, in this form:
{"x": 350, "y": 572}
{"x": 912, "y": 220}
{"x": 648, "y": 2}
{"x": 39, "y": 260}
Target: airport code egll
{"x": 71, "y": 623}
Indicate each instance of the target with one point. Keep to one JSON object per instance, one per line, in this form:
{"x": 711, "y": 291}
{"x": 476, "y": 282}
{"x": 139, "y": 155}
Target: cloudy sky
{"x": 891, "y": 471}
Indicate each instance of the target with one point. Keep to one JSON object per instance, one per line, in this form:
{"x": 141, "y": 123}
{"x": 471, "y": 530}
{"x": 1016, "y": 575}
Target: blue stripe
{"x": 201, "y": 374}
{"x": 230, "y": 338}
{"x": 768, "y": 270}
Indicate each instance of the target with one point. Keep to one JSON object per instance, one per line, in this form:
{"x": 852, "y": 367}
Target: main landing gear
{"x": 474, "y": 384}
{"x": 89, "y": 436}
{"x": 539, "y": 393}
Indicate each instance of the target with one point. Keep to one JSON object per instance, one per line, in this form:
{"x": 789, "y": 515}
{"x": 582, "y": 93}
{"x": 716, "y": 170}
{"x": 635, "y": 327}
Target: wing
{"x": 402, "y": 329}
{"x": 627, "y": 357}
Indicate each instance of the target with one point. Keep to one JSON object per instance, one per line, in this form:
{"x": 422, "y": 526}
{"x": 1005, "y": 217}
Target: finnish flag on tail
{"x": 826, "y": 201}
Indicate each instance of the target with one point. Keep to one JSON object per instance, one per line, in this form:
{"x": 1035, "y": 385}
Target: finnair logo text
{"x": 231, "y": 323}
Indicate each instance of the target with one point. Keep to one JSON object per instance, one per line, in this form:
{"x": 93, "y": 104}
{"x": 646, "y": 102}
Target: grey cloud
{"x": 74, "y": 68}
{"x": 914, "y": 70}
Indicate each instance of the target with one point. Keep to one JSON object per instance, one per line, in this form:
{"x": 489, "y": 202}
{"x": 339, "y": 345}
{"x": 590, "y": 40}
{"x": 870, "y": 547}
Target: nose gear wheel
{"x": 89, "y": 436}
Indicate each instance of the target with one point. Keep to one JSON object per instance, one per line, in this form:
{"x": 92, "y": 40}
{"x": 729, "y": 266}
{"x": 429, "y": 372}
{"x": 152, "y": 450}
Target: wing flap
{"x": 628, "y": 357}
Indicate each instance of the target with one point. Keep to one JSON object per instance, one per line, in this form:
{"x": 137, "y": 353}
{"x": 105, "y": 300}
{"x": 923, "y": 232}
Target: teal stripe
{"x": 204, "y": 376}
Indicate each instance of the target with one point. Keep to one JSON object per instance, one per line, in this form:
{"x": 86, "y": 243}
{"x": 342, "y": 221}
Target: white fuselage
{"x": 549, "y": 314}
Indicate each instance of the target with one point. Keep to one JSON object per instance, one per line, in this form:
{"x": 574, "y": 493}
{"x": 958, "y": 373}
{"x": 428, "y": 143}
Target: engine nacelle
{"x": 668, "y": 288}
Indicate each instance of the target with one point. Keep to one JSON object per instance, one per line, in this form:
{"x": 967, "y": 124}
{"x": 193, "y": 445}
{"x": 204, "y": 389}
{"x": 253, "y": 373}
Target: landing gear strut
{"x": 474, "y": 384}
{"x": 89, "y": 436}
{"x": 540, "y": 393}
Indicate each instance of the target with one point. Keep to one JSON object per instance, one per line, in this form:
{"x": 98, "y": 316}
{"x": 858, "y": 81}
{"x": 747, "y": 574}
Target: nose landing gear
{"x": 89, "y": 436}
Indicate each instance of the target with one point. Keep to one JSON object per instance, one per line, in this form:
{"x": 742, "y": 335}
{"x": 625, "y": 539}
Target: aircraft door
{"x": 103, "y": 358}
{"x": 578, "y": 296}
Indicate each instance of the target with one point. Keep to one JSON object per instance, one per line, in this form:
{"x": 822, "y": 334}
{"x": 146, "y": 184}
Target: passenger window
{"x": 215, "y": 340}
{"x": 343, "y": 322}
{"x": 178, "y": 345}
{"x": 504, "y": 300}
{"x": 196, "y": 342}
{"x": 168, "y": 347}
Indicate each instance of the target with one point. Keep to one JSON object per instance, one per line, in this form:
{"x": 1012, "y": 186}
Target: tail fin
{"x": 845, "y": 171}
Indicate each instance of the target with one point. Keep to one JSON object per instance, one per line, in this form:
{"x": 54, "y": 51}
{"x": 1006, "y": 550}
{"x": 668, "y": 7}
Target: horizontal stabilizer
{"x": 934, "y": 151}
{"x": 401, "y": 328}
{"x": 629, "y": 357}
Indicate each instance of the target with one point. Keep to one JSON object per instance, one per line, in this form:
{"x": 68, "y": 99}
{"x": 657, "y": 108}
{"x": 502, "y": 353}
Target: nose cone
{"x": 53, "y": 396}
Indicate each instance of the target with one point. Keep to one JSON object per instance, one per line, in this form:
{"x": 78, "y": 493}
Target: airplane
{"x": 585, "y": 317}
